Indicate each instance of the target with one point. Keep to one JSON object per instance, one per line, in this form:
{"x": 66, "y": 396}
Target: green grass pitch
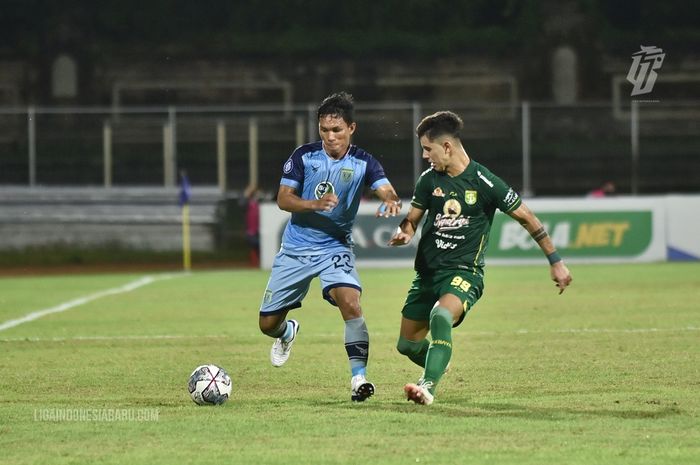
{"x": 607, "y": 373}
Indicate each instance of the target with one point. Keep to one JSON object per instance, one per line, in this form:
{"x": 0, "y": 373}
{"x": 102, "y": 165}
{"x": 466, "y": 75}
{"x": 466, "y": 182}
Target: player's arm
{"x": 558, "y": 271}
{"x": 289, "y": 200}
{"x": 408, "y": 227}
{"x": 391, "y": 203}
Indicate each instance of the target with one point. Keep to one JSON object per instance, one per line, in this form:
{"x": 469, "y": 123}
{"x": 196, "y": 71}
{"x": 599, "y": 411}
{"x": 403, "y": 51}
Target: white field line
{"x": 113, "y": 338}
{"x": 84, "y": 299}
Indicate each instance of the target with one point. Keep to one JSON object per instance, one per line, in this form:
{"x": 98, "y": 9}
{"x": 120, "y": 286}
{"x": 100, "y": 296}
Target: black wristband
{"x": 553, "y": 257}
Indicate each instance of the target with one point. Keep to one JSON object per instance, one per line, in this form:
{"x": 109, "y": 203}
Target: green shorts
{"x": 426, "y": 290}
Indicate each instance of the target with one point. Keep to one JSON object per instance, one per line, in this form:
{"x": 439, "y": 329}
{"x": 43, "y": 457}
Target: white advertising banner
{"x": 585, "y": 230}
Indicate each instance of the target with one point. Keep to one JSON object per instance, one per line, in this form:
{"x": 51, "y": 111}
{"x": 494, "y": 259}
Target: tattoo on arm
{"x": 539, "y": 234}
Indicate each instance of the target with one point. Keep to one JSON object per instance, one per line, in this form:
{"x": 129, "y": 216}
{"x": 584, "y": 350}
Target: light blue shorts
{"x": 292, "y": 274}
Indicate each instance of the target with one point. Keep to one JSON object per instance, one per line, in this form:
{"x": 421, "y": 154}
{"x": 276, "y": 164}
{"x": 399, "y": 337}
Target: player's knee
{"x": 350, "y": 308}
{"x": 353, "y": 310}
{"x": 408, "y": 348}
{"x": 270, "y": 326}
{"x": 265, "y": 328}
{"x": 441, "y": 315}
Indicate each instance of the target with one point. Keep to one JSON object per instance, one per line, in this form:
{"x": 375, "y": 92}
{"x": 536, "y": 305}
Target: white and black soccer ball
{"x": 209, "y": 385}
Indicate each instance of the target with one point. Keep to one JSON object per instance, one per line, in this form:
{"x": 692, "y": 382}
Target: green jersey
{"x": 460, "y": 212}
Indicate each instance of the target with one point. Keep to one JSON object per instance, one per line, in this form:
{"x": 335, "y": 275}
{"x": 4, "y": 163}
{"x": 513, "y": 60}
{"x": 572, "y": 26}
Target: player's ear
{"x": 447, "y": 146}
{"x": 351, "y": 127}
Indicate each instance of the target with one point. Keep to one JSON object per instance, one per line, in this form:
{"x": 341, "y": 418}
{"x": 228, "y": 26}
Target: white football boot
{"x": 280, "y": 349}
{"x": 361, "y": 388}
{"x": 419, "y": 393}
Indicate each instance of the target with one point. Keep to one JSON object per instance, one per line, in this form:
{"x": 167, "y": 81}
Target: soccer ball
{"x": 209, "y": 385}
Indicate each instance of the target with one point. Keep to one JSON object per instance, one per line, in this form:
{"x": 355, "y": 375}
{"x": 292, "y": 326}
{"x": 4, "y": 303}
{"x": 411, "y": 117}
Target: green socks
{"x": 440, "y": 351}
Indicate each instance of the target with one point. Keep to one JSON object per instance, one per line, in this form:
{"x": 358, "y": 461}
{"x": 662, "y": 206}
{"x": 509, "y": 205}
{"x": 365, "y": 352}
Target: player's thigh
{"x": 288, "y": 284}
{"x": 466, "y": 286}
{"x": 413, "y": 330}
{"x": 338, "y": 271}
{"x": 420, "y": 299}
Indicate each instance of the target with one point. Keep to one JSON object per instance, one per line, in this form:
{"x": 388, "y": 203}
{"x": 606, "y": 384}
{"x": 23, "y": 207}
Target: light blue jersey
{"x": 313, "y": 174}
{"x": 319, "y": 244}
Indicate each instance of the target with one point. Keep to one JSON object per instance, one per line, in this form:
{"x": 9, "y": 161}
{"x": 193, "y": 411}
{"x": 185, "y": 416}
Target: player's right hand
{"x": 399, "y": 238}
{"x": 561, "y": 275}
{"x": 326, "y": 203}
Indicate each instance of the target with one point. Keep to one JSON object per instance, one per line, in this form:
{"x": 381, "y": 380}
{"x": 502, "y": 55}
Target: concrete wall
{"x": 141, "y": 218}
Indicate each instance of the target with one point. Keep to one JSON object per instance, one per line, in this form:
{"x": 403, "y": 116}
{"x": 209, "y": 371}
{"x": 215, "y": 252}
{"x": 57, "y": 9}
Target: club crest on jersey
{"x": 470, "y": 197}
{"x": 288, "y": 167}
{"x": 438, "y": 192}
{"x": 323, "y": 188}
{"x": 346, "y": 174}
{"x": 452, "y": 208}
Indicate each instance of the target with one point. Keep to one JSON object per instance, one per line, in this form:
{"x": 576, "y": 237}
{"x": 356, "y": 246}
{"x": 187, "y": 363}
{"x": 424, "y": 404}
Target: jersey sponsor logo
{"x": 288, "y": 167}
{"x": 511, "y": 197}
{"x": 323, "y": 188}
{"x": 470, "y": 197}
{"x": 451, "y": 217}
{"x": 483, "y": 178}
{"x": 452, "y": 208}
{"x": 443, "y": 223}
{"x": 346, "y": 174}
{"x": 438, "y": 192}
{"x": 446, "y": 245}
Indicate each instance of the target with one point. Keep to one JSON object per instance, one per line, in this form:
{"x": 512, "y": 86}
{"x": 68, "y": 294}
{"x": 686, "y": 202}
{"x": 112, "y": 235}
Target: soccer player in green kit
{"x": 460, "y": 197}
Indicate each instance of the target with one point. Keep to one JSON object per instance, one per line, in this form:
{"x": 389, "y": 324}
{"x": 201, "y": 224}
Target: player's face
{"x": 435, "y": 153}
{"x": 335, "y": 134}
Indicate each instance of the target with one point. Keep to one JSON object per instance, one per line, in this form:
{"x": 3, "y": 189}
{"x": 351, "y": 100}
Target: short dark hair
{"x": 340, "y": 104}
{"x": 440, "y": 124}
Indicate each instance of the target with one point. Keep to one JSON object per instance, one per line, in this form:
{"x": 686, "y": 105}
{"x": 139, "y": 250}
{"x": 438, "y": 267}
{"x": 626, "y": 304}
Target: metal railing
{"x": 541, "y": 149}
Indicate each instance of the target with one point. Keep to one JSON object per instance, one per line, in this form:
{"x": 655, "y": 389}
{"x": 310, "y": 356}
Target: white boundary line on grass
{"x": 146, "y": 280}
{"x": 112, "y": 338}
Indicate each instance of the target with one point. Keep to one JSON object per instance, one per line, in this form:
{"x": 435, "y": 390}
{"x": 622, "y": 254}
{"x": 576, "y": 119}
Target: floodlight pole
{"x": 527, "y": 178}
{"x": 417, "y": 158}
{"x": 634, "y": 140}
{"x": 107, "y": 153}
{"x": 221, "y": 155}
{"x": 31, "y": 135}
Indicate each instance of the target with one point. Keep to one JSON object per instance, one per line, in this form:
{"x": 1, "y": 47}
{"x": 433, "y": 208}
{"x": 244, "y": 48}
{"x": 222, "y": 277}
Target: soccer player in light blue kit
{"x": 322, "y": 183}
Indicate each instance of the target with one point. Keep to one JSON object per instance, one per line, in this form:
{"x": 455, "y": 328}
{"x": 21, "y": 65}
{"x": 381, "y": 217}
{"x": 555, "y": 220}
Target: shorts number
{"x": 342, "y": 261}
{"x": 461, "y": 283}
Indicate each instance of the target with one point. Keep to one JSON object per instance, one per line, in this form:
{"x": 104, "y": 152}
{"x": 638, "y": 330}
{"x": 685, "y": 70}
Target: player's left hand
{"x": 389, "y": 208}
{"x": 561, "y": 275}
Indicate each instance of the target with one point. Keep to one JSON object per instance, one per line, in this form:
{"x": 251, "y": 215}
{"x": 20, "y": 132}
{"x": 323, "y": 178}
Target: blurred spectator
{"x": 252, "y": 224}
{"x": 605, "y": 190}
